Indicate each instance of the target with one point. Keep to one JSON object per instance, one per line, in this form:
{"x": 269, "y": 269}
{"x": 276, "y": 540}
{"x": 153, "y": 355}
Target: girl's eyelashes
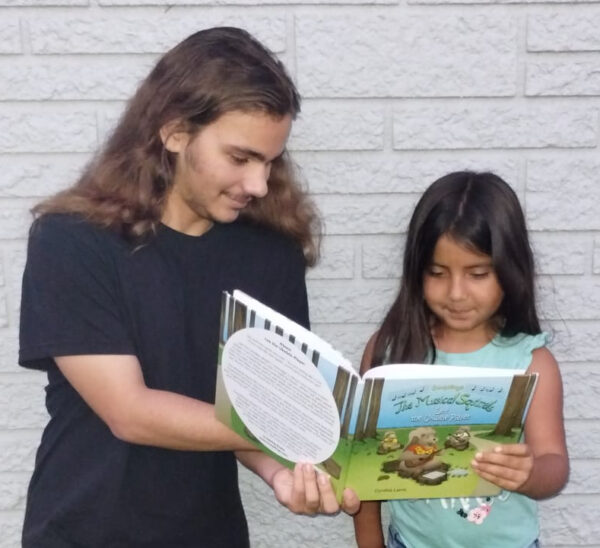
{"x": 478, "y": 275}
{"x": 435, "y": 273}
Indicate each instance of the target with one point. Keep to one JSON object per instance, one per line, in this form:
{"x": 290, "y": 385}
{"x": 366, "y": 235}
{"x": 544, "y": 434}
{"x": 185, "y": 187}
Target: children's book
{"x": 400, "y": 431}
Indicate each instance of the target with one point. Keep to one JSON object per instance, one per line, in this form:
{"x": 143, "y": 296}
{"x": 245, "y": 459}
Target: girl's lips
{"x": 458, "y": 312}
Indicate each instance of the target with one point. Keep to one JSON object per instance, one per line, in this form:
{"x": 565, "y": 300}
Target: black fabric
{"x": 86, "y": 291}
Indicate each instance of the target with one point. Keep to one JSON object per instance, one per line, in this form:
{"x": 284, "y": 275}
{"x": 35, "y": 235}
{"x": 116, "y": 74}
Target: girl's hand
{"x": 509, "y": 466}
{"x": 306, "y": 491}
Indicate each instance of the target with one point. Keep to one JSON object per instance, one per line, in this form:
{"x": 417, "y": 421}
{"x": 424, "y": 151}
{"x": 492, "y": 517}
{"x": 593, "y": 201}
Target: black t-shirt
{"x": 87, "y": 291}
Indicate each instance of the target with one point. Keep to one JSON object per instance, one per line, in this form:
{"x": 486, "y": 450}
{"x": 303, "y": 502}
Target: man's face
{"x": 222, "y": 168}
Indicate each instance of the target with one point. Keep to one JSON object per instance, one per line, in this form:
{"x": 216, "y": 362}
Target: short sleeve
{"x": 70, "y": 302}
{"x": 531, "y": 343}
{"x": 517, "y": 351}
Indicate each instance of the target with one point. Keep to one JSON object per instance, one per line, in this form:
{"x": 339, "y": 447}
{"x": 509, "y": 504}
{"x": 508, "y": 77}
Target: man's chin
{"x": 227, "y": 216}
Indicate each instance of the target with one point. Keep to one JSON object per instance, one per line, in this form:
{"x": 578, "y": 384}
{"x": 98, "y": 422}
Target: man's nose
{"x": 256, "y": 181}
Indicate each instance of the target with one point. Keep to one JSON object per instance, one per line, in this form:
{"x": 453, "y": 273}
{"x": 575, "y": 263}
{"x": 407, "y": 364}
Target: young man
{"x": 193, "y": 194}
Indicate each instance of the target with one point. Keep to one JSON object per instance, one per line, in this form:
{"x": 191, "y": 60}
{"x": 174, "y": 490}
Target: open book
{"x": 401, "y": 431}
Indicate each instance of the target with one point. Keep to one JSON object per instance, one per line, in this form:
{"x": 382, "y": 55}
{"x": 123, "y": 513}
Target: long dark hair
{"x": 481, "y": 211}
{"x": 208, "y": 74}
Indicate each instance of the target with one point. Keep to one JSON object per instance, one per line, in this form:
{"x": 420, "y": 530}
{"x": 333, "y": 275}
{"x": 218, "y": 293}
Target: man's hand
{"x": 306, "y": 491}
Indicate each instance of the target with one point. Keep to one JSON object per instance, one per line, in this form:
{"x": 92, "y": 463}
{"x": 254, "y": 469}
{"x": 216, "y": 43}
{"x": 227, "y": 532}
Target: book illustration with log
{"x": 401, "y": 431}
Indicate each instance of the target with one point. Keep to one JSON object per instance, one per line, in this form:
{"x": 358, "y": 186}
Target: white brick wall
{"x": 396, "y": 93}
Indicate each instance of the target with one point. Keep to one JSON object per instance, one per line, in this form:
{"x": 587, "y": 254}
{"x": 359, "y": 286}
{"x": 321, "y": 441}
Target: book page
{"x": 428, "y": 371}
{"x": 417, "y": 437}
{"x": 307, "y": 337}
{"x": 280, "y": 396}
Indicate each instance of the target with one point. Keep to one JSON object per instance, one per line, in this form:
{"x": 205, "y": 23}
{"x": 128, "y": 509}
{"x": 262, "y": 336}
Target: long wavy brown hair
{"x": 210, "y": 73}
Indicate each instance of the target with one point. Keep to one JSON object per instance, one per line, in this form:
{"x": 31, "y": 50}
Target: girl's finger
{"x": 516, "y": 449}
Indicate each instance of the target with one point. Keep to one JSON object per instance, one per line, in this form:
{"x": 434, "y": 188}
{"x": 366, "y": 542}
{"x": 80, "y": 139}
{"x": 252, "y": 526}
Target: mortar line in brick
{"x": 290, "y": 47}
{"x": 25, "y": 37}
{"x": 3, "y": 259}
{"x": 521, "y": 57}
{"x": 592, "y": 255}
{"x": 388, "y": 127}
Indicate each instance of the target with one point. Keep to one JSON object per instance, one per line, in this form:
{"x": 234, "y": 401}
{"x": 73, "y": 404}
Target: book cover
{"x": 402, "y": 431}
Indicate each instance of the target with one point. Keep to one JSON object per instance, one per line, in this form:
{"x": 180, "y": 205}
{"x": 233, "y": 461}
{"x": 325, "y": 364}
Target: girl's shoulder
{"x": 514, "y": 352}
{"x": 367, "y": 357}
{"x": 518, "y": 350}
{"x": 522, "y": 341}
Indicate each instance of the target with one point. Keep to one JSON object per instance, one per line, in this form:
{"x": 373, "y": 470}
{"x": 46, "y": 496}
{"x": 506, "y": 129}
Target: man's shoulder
{"x": 62, "y": 224}
{"x": 75, "y": 240}
{"x": 68, "y": 228}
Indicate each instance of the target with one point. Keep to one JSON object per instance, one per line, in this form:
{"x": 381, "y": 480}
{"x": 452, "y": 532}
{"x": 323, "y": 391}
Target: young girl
{"x": 467, "y": 297}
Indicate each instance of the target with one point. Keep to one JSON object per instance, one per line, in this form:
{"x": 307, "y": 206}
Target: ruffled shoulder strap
{"x": 521, "y": 347}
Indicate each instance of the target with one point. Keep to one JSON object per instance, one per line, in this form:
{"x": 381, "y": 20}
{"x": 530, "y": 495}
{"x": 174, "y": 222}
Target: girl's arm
{"x": 538, "y": 468}
{"x": 367, "y": 521}
{"x": 367, "y": 525}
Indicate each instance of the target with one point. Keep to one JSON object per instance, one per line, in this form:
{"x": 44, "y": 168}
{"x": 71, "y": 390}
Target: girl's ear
{"x": 173, "y": 137}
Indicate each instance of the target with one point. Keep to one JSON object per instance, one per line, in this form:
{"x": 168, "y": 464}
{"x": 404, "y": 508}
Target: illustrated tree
{"x": 368, "y": 411}
{"x": 348, "y": 411}
{"x": 359, "y": 432}
{"x": 343, "y": 389}
{"x": 340, "y": 388}
{"x": 374, "y": 408}
{"x": 515, "y": 405}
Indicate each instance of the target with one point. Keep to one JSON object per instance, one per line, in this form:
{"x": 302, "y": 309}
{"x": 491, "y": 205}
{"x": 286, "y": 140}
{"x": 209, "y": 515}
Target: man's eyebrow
{"x": 252, "y": 153}
{"x": 247, "y": 152}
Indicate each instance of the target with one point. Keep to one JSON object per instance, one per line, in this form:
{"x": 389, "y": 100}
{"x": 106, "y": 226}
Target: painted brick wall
{"x": 397, "y": 92}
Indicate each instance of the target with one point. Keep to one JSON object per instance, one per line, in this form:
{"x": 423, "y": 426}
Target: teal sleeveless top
{"x": 508, "y": 520}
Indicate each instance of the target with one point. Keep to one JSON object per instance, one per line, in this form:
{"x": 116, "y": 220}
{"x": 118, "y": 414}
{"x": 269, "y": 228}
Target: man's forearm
{"x": 261, "y": 464}
{"x": 173, "y": 421}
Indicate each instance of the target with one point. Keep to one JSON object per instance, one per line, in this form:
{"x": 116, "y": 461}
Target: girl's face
{"x": 461, "y": 288}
